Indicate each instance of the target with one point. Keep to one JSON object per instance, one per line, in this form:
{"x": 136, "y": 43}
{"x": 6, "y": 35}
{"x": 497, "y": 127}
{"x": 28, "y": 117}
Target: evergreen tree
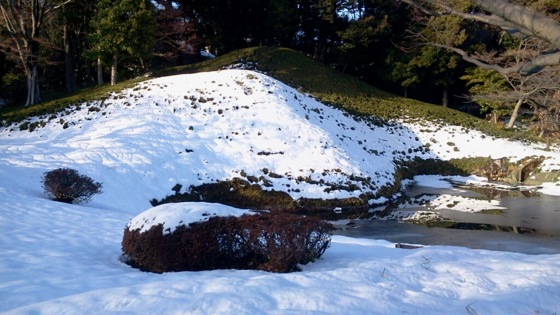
{"x": 74, "y": 19}
{"x": 123, "y": 29}
{"x": 482, "y": 83}
{"x": 369, "y": 35}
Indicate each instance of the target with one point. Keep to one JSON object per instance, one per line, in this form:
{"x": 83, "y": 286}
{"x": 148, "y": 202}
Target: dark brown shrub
{"x": 271, "y": 242}
{"x": 67, "y": 185}
{"x": 282, "y": 241}
{"x": 237, "y": 193}
{"x": 240, "y": 193}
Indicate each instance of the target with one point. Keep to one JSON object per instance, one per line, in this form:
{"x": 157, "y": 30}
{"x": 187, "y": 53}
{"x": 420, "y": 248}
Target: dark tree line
{"x": 448, "y": 52}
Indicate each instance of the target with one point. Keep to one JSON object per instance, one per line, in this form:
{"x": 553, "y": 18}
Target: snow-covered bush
{"x": 67, "y": 185}
{"x": 262, "y": 241}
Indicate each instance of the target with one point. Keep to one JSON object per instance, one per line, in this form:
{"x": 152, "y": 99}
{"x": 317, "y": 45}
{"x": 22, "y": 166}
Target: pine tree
{"x": 122, "y": 29}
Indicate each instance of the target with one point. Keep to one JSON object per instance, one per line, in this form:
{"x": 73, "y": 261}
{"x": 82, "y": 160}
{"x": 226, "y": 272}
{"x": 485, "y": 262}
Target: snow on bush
{"x": 205, "y": 236}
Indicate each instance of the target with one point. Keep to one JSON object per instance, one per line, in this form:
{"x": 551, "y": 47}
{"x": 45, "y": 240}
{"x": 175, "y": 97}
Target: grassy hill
{"x": 301, "y": 72}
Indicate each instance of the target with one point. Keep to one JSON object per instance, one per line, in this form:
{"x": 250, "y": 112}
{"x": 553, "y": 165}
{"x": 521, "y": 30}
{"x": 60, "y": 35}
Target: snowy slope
{"x": 192, "y": 129}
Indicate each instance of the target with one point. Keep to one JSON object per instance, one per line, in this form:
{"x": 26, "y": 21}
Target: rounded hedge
{"x": 273, "y": 242}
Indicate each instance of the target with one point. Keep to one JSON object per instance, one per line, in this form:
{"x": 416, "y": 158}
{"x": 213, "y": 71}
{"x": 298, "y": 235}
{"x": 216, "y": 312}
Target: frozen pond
{"x": 523, "y": 212}
{"x": 484, "y": 218}
{"x": 410, "y": 233}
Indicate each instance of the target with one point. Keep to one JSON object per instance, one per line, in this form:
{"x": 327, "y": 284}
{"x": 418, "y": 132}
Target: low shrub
{"x": 237, "y": 193}
{"x": 67, "y": 185}
{"x": 263, "y": 241}
{"x": 240, "y": 193}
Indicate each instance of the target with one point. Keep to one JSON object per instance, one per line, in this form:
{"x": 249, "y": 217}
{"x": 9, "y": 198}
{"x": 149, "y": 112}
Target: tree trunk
{"x": 100, "y": 72}
{"x": 32, "y": 86}
{"x": 30, "y": 63}
{"x": 493, "y": 118}
{"x": 68, "y": 62}
{"x": 114, "y": 71}
{"x": 445, "y": 98}
{"x": 515, "y": 113}
{"x": 143, "y": 67}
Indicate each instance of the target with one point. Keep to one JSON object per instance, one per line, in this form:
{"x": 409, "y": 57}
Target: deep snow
{"x": 191, "y": 129}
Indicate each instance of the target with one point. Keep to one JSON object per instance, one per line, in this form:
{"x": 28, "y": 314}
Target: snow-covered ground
{"x": 57, "y": 258}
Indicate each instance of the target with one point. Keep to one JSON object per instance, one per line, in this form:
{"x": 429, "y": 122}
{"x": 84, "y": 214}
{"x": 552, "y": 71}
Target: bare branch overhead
{"x": 517, "y": 20}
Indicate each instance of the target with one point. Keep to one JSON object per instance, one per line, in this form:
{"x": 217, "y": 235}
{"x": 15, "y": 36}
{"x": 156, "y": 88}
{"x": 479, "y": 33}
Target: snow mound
{"x": 207, "y": 127}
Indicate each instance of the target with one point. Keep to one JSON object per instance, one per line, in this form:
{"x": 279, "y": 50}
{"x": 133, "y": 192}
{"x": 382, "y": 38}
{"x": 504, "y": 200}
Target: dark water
{"x": 529, "y": 224}
{"x": 409, "y": 233}
{"x": 541, "y": 213}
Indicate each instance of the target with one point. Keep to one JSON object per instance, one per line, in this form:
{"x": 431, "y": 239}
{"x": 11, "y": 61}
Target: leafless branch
{"x": 479, "y": 63}
{"x": 516, "y": 20}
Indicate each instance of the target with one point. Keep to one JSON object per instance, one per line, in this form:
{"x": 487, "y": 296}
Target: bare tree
{"x": 175, "y": 35}
{"x": 517, "y": 20}
{"x": 535, "y": 89}
{"x": 545, "y": 101}
{"x": 21, "y": 23}
{"x": 514, "y": 90}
